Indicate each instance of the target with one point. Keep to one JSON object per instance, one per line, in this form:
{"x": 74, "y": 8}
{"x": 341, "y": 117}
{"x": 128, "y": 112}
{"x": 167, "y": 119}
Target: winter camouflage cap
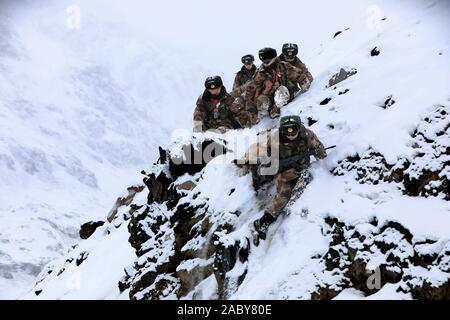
{"x": 267, "y": 53}
{"x": 248, "y": 58}
{"x": 213, "y": 82}
{"x": 290, "y": 49}
{"x": 290, "y": 125}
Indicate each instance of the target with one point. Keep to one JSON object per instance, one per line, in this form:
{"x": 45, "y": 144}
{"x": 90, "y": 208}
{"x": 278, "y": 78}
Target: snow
{"x": 79, "y": 119}
{"x": 82, "y": 112}
{"x": 96, "y": 277}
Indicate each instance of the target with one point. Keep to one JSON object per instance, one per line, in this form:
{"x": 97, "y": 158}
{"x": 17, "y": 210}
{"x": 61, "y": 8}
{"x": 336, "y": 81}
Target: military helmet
{"x": 290, "y": 49}
{"x": 213, "y": 82}
{"x": 290, "y": 125}
{"x": 267, "y": 53}
{"x": 248, "y": 58}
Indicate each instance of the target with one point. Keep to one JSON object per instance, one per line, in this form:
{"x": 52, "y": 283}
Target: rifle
{"x": 287, "y": 163}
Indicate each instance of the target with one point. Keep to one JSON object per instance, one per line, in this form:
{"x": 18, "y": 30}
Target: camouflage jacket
{"x": 222, "y": 111}
{"x": 298, "y": 64}
{"x": 243, "y": 76}
{"x": 299, "y": 150}
{"x": 267, "y": 80}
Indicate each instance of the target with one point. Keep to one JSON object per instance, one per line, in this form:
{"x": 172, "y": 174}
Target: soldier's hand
{"x": 268, "y": 85}
{"x": 305, "y": 85}
{"x": 321, "y": 153}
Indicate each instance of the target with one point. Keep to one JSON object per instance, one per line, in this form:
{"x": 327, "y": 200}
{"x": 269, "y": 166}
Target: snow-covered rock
{"x": 378, "y": 210}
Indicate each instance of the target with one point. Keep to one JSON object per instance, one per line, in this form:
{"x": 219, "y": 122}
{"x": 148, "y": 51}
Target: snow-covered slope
{"x": 80, "y": 114}
{"x": 377, "y": 201}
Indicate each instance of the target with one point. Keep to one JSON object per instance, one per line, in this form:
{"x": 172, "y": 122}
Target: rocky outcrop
{"x": 124, "y": 200}
{"x": 178, "y": 244}
{"x": 340, "y": 76}
{"x": 181, "y": 242}
{"x": 368, "y": 256}
{"x": 87, "y": 229}
{"x": 425, "y": 173}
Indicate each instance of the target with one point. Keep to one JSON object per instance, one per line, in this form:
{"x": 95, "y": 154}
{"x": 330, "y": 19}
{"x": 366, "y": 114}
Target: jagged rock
{"x": 83, "y": 256}
{"x": 125, "y": 281}
{"x": 172, "y": 247}
{"x": 341, "y": 76}
{"x": 429, "y": 292}
{"x": 324, "y": 294}
{"x": 351, "y": 257}
{"x": 124, "y": 201}
{"x": 191, "y": 272}
{"x": 187, "y": 185}
{"x": 426, "y": 174}
{"x": 194, "y": 157}
{"x": 375, "y": 52}
{"x": 311, "y": 121}
{"x": 389, "y": 102}
{"x": 339, "y": 32}
{"x": 87, "y": 229}
{"x": 159, "y": 187}
{"x": 325, "y": 101}
{"x": 370, "y": 168}
{"x": 228, "y": 253}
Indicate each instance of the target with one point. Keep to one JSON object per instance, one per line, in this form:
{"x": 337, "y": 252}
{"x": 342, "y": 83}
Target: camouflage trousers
{"x": 266, "y": 104}
{"x": 285, "y": 182}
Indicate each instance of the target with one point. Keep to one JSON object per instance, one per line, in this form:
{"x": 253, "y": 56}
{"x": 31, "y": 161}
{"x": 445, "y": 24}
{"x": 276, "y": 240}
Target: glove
{"x": 305, "y": 85}
{"x": 268, "y": 85}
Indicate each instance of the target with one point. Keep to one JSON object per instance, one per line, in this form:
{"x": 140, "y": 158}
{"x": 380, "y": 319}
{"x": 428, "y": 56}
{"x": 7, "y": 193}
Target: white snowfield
{"x": 81, "y": 113}
{"x": 75, "y": 132}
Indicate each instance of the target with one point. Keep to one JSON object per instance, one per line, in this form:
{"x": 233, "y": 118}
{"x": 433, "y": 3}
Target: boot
{"x": 274, "y": 112}
{"x": 261, "y": 225}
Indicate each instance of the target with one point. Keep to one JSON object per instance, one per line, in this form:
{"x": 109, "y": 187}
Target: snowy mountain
{"x": 377, "y": 209}
{"x": 75, "y": 126}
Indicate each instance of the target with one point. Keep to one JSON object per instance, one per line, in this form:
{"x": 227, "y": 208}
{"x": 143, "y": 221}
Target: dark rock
{"x": 87, "y": 229}
{"x": 124, "y": 201}
{"x": 83, "y": 256}
{"x": 159, "y": 187}
{"x": 388, "y": 102}
{"x": 336, "y": 34}
{"x": 190, "y": 278}
{"x": 375, "y": 52}
{"x": 311, "y": 121}
{"x": 325, "y": 101}
{"x": 428, "y": 292}
{"x": 339, "y": 32}
{"x": 193, "y": 159}
{"x": 341, "y": 76}
{"x": 324, "y": 293}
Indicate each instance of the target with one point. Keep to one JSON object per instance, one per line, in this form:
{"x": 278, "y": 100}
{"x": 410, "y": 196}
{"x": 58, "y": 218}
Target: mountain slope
{"x": 377, "y": 208}
{"x": 75, "y": 124}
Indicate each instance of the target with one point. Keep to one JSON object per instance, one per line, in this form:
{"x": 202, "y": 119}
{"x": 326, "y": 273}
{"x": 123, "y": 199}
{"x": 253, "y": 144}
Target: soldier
{"x": 295, "y": 145}
{"x": 289, "y": 54}
{"x": 273, "y": 84}
{"x": 246, "y": 73}
{"x": 216, "y": 109}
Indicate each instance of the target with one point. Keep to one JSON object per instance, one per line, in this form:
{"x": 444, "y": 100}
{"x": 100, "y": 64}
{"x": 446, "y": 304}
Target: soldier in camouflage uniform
{"x": 216, "y": 109}
{"x": 246, "y": 73}
{"x": 273, "y": 85}
{"x": 295, "y": 146}
{"x": 289, "y": 55}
